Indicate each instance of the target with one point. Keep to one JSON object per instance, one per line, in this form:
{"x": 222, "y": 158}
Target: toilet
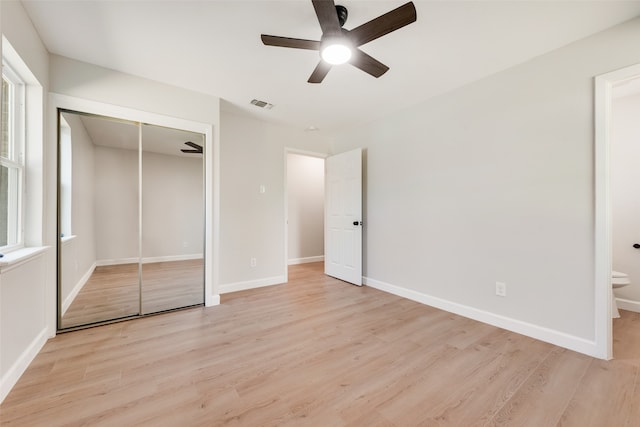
{"x": 618, "y": 280}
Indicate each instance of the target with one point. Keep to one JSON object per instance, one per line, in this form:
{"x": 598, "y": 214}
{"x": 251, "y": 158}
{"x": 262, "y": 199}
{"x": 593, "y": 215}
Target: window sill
{"x": 19, "y": 256}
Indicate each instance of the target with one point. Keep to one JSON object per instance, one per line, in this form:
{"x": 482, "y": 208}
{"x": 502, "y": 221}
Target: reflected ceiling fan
{"x": 338, "y": 45}
{"x": 195, "y": 148}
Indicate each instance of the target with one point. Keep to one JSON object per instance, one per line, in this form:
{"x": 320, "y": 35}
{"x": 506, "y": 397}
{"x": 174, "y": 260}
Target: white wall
{"x": 494, "y": 182}
{"x": 305, "y": 192}
{"x": 23, "y": 317}
{"x": 116, "y": 204}
{"x": 82, "y": 198}
{"x": 172, "y": 206}
{"x": 252, "y": 154}
{"x": 26, "y": 289}
{"x": 79, "y": 255}
{"x": 625, "y": 193}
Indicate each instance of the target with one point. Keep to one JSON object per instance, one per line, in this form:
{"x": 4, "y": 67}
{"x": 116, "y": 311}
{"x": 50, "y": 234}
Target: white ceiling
{"x": 214, "y": 47}
{"x": 124, "y": 135}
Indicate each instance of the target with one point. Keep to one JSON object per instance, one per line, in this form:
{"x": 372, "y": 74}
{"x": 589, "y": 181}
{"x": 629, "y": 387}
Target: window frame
{"x": 15, "y": 159}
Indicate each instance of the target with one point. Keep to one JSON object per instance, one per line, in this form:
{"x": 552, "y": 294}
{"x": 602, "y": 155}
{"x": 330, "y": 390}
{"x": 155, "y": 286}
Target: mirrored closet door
{"x": 130, "y": 219}
{"x": 172, "y": 219}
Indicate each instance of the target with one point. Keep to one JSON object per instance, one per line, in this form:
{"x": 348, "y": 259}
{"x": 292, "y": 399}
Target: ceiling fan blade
{"x": 327, "y": 17}
{"x": 321, "y": 71}
{"x": 368, "y": 64}
{"x": 383, "y": 24}
{"x": 289, "y": 42}
{"x": 196, "y": 148}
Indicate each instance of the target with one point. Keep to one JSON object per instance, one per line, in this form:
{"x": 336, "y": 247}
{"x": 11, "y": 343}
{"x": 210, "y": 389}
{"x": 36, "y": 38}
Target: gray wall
{"x": 494, "y": 182}
{"x": 252, "y": 224}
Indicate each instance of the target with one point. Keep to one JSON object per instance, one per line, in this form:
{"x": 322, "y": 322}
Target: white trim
{"x": 296, "y": 261}
{"x": 77, "y": 288}
{"x": 602, "y": 209}
{"x": 66, "y": 239}
{"x": 11, "y": 377}
{"x": 18, "y": 257}
{"x": 251, "y": 284}
{"x": 627, "y": 304}
{"x": 552, "y": 336}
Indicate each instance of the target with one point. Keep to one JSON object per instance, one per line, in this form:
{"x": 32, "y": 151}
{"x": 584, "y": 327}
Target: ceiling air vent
{"x": 262, "y": 104}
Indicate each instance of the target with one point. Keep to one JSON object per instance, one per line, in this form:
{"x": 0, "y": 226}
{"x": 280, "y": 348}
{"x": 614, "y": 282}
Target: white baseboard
{"x": 627, "y": 304}
{"x": 213, "y": 300}
{"x": 148, "y": 260}
{"x": 552, "y": 336}
{"x": 77, "y": 288}
{"x": 11, "y": 377}
{"x": 296, "y": 261}
{"x": 251, "y": 284}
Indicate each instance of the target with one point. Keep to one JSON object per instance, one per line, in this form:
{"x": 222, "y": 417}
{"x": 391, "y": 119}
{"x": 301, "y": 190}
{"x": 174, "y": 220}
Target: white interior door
{"x": 343, "y": 217}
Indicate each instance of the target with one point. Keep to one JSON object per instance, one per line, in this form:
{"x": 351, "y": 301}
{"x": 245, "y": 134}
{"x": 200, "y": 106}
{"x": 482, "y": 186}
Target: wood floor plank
{"x": 114, "y": 291}
{"x": 607, "y": 386}
{"x": 543, "y": 398}
{"x": 320, "y": 352}
{"x": 475, "y": 402}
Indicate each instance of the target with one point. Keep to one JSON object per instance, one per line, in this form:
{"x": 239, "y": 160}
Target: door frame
{"x": 602, "y": 180}
{"x": 287, "y": 151}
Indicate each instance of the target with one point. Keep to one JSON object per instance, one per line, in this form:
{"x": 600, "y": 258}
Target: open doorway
{"x": 304, "y": 208}
{"x": 606, "y": 86}
{"x": 625, "y": 197}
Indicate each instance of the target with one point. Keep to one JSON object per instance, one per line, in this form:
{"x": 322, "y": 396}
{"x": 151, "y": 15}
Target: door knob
{"x": 636, "y": 245}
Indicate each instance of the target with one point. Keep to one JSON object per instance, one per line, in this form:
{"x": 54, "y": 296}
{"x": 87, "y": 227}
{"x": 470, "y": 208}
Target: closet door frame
{"x": 211, "y": 187}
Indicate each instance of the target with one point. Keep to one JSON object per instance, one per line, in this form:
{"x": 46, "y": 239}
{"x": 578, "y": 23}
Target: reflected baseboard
{"x": 77, "y": 288}
{"x": 148, "y": 260}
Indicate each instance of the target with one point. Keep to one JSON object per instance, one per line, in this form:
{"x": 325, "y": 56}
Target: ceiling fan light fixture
{"x": 336, "y": 53}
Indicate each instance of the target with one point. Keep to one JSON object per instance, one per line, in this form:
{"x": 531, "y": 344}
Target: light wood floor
{"x": 319, "y": 352}
{"x": 113, "y": 291}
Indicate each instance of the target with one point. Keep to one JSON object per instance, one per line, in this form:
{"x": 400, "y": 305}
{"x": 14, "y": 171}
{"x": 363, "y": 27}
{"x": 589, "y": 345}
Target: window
{"x": 65, "y": 188}
{"x": 12, "y": 160}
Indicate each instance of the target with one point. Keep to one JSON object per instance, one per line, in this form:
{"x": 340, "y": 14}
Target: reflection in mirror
{"x": 172, "y": 219}
{"x": 98, "y": 209}
{"x": 130, "y": 218}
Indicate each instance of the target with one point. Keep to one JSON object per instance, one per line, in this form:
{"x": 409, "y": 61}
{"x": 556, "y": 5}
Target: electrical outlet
{"x": 501, "y": 289}
{"x": 253, "y": 262}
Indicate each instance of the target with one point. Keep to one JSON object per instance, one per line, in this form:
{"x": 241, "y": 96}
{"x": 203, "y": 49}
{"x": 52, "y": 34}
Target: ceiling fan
{"x": 338, "y": 45}
{"x": 195, "y": 148}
